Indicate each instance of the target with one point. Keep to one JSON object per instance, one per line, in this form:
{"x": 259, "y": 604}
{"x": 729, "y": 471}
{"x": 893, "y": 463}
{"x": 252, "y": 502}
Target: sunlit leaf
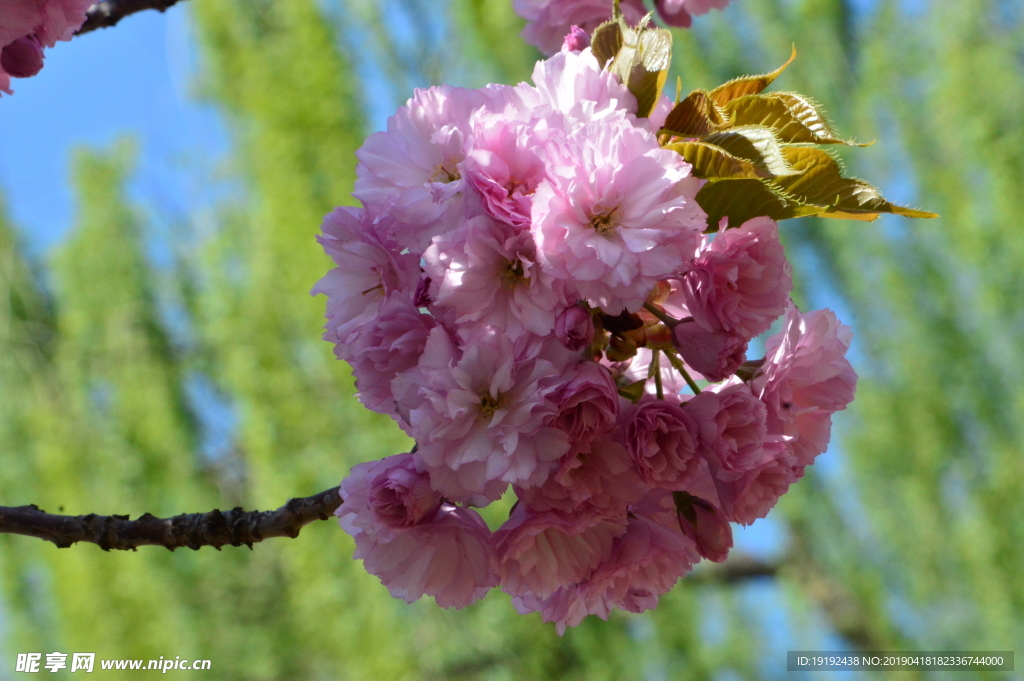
{"x": 606, "y": 41}
{"x": 741, "y": 200}
{"x": 642, "y": 62}
{"x": 747, "y": 85}
{"x": 753, "y": 143}
{"x": 822, "y": 183}
{"x": 695, "y": 116}
{"x": 794, "y": 118}
{"x": 709, "y": 161}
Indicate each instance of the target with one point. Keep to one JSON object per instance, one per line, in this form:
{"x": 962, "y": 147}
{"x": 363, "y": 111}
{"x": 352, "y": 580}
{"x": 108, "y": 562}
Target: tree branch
{"x": 194, "y": 530}
{"x": 108, "y": 12}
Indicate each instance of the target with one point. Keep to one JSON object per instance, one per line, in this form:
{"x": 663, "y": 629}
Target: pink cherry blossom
{"x": 575, "y": 85}
{"x": 483, "y": 415}
{"x": 733, "y": 426}
{"x": 601, "y": 480}
{"x": 759, "y": 490}
{"x": 645, "y": 562}
{"x": 662, "y": 439}
{"x": 550, "y": 20}
{"x": 368, "y": 270}
{"x": 490, "y": 276}
{"x": 588, "y": 404}
{"x": 714, "y": 355}
{"x": 386, "y": 346}
{"x": 740, "y": 284}
{"x": 415, "y": 543}
{"x": 539, "y": 553}
{"x": 413, "y": 169}
{"x": 805, "y": 379}
{"x": 616, "y": 215}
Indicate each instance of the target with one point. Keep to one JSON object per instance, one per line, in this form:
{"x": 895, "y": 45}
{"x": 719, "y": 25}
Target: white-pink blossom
{"x": 616, "y": 214}
{"x": 415, "y": 543}
{"x": 489, "y": 275}
{"x": 368, "y": 270}
{"x": 482, "y": 415}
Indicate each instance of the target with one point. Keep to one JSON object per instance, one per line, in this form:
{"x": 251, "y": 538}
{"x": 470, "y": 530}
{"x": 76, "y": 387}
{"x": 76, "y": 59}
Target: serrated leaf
{"x": 642, "y": 62}
{"x": 695, "y": 116}
{"x": 747, "y": 85}
{"x": 821, "y": 182}
{"x": 741, "y": 200}
{"x": 710, "y": 162}
{"x": 606, "y": 41}
{"x": 634, "y": 391}
{"x": 753, "y": 143}
{"x": 793, "y": 118}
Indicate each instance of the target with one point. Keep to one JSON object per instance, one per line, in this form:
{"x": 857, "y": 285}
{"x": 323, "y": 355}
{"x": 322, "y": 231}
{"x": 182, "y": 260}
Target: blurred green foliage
{"x": 910, "y": 537}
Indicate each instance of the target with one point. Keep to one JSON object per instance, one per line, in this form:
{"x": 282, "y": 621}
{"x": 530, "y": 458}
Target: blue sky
{"x": 132, "y": 79}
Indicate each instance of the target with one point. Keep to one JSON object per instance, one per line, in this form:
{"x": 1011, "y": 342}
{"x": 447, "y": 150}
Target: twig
{"x": 194, "y": 530}
{"x": 108, "y": 12}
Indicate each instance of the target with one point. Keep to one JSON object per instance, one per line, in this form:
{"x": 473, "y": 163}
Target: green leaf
{"x": 747, "y": 85}
{"x": 821, "y": 182}
{"x": 606, "y": 41}
{"x": 794, "y": 118}
{"x": 709, "y": 161}
{"x": 634, "y": 391}
{"x": 741, "y": 200}
{"x": 695, "y": 116}
{"x": 642, "y": 62}
{"x": 753, "y": 143}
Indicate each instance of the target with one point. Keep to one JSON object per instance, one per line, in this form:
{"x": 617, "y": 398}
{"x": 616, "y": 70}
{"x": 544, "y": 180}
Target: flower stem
{"x": 678, "y": 365}
{"x": 656, "y": 363}
{"x": 670, "y": 322}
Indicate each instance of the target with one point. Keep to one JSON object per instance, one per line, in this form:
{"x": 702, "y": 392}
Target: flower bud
{"x": 576, "y": 40}
{"x": 705, "y": 525}
{"x": 574, "y": 328}
{"x": 22, "y": 58}
{"x": 715, "y": 355}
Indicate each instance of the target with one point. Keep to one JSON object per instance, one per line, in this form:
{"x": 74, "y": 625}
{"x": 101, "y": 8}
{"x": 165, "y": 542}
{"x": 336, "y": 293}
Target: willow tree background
{"x": 119, "y": 378}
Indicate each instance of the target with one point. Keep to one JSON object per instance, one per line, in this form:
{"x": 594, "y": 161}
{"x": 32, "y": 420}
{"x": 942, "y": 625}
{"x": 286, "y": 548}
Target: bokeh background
{"x": 162, "y": 184}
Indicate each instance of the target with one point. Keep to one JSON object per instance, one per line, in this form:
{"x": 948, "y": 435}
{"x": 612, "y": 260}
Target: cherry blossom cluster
{"x": 547, "y": 21}
{"x": 28, "y": 26}
{"x": 529, "y": 290}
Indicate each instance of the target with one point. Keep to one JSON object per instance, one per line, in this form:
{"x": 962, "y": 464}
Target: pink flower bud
{"x": 715, "y": 355}
{"x": 574, "y": 327}
{"x": 576, "y": 40}
{"x": 705, "y": 525}
{"x": 22, "y": 58}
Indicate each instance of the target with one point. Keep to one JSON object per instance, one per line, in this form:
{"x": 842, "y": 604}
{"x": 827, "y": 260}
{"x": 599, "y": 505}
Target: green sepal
{"x": 633, "y": 391}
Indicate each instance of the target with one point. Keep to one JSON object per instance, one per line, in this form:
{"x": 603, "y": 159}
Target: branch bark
{"x": 108, "y": 12}
{"x": 193, "y": 530}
